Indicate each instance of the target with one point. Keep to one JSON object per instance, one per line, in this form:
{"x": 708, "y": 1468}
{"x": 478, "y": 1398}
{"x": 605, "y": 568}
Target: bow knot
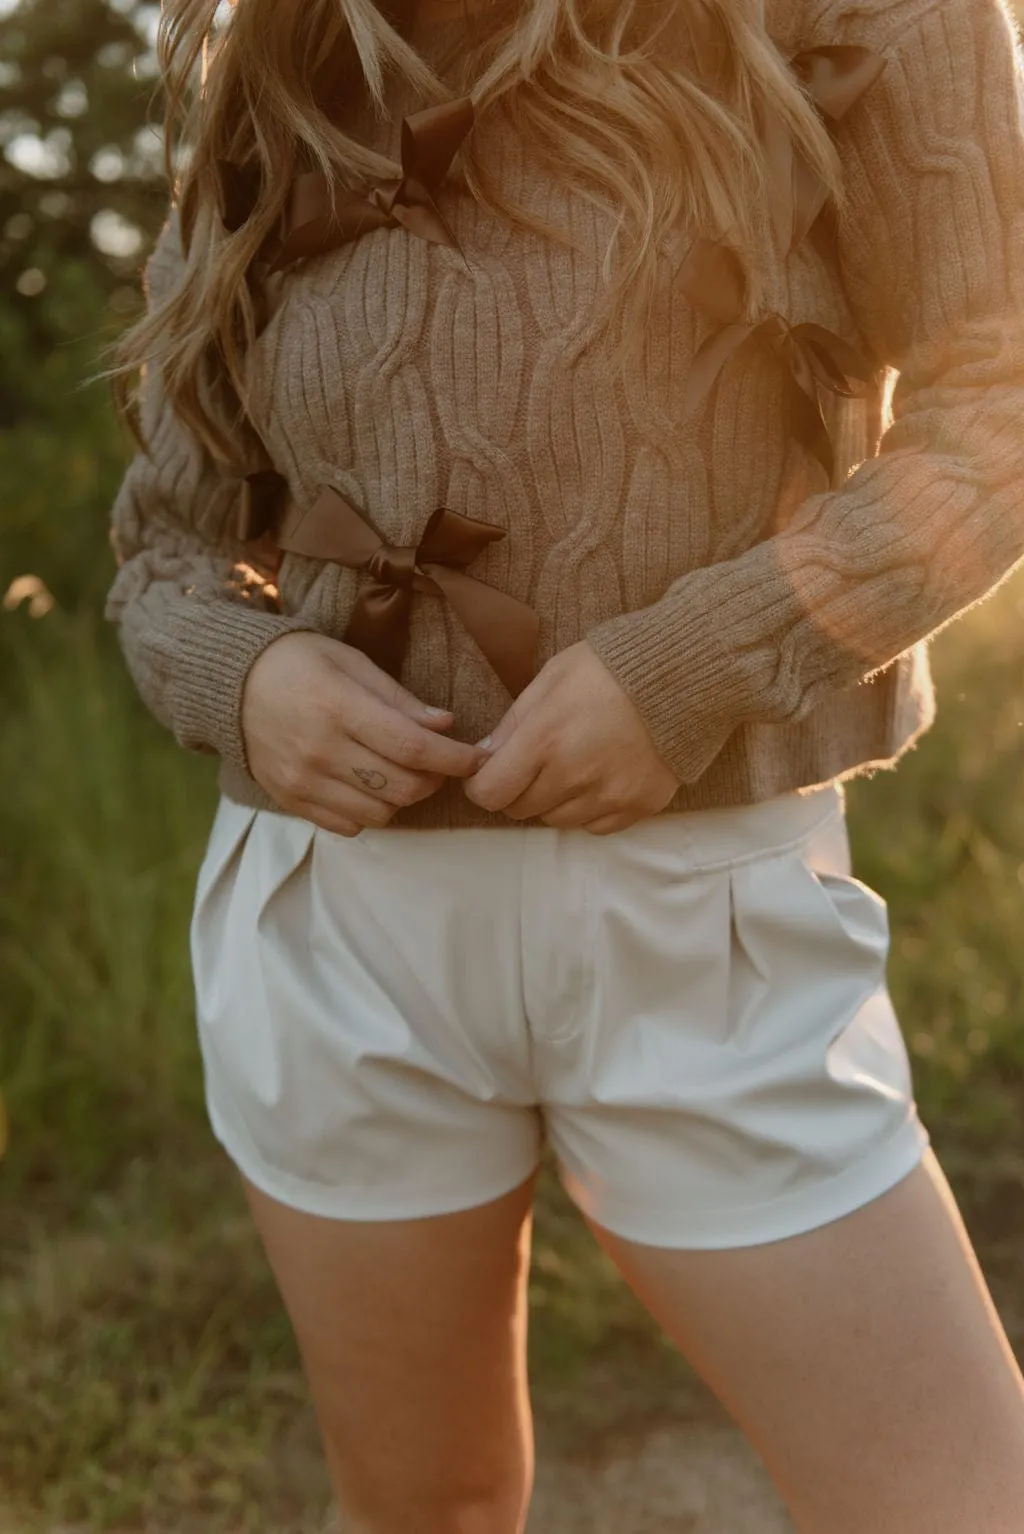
{"x": 504, "y": 628}
{"x": 393, "y": 566}
{"x": 385, "y": 195}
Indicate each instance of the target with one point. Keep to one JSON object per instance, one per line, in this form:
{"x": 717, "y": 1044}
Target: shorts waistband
{"x": 748, "y": 831}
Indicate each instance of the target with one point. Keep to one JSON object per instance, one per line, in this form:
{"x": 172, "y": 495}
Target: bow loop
{"x": 504, "y": 628}
{"x": 391, "y": 566}
{"x": 713, "y": 279}
{"x": 431, "y": 138}
{"x": 836, "y": 75}
{"x": 450, "y": 538}
{"x": 260, "y": 504}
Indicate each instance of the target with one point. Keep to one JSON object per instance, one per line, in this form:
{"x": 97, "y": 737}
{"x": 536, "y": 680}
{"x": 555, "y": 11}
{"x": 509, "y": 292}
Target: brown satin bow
{"x": 315, "y": 224}
{"x": 504, "y": 628}
{"x": 812, "y": 356}
{"x": 713, "y": 279}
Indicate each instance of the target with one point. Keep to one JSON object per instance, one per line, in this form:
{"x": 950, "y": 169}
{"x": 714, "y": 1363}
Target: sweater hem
{"x": 740, "y": 776}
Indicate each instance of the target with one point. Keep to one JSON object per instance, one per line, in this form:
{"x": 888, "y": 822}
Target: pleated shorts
{"x": 693, "y": 1015}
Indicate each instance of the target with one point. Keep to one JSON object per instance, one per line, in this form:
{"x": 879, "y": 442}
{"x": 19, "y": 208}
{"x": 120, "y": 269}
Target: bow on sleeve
{"x": 504, "y": 628}
{"x": 810, "y": 356}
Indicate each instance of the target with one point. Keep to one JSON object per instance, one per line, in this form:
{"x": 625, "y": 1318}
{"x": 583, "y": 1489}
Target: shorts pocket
{"x": 224, "y": 845}
{"x": 808, "y": 948}
{"x": 251, "y": 855}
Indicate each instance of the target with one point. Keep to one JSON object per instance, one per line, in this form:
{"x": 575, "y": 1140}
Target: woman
{"x": 528, "y": 521}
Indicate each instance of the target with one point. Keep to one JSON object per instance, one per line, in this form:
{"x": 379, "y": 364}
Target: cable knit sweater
{"x": 769, "y": 625}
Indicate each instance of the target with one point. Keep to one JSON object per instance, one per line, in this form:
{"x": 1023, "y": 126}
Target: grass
{"x": 150, "y": 1382}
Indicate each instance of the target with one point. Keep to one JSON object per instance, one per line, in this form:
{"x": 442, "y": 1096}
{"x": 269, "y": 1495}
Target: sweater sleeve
{"x": 932, "y": 258}
{"x": 192, "y": 615}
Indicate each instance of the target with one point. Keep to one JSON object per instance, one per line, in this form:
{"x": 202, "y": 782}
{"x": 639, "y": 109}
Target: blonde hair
{"x": 583, "y": 81}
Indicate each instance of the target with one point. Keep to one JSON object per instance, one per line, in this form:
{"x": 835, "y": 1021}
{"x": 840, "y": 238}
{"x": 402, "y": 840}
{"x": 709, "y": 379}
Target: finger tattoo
{"x": 369, "y": 778}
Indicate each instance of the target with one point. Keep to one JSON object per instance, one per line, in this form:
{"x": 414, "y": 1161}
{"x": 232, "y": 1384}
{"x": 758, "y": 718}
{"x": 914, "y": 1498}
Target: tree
{"x": 81, "y": 186}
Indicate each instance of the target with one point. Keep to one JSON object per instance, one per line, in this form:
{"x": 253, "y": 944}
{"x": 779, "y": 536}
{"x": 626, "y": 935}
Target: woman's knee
{"x": 448, "y": 1505}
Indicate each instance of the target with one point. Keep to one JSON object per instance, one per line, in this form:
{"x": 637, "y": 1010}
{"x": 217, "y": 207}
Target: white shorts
{"x": 693, "y": 1012}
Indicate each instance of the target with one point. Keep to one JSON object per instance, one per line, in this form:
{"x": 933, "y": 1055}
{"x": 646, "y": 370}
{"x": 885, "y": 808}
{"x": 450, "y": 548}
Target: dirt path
{"x": 690, "y": 1479}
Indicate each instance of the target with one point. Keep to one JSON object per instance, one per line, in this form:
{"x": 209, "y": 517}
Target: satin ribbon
{"x": 239, "y": 189}
{"x": 835, "y": 77}
{"x": 261, "y": 504}
{"x": 710, "y": 40}
{"x": 504, "y": 628}
{"x": 811, "y": 357}
{"x": 430, "y": 139}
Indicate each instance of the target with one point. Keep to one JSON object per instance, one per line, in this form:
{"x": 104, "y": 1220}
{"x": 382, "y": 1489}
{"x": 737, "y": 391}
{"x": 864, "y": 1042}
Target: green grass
{"x": 149, "y": 1379}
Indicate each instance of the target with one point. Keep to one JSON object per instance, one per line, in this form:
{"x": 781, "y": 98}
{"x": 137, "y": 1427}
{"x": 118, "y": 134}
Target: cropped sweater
{"x": 767, "y": 616}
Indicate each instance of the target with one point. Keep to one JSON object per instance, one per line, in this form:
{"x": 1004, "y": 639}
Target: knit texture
{"x": 770, "y": 628}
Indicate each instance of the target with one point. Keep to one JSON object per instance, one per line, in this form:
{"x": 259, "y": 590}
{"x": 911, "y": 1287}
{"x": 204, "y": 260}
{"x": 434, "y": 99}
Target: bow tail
{"x": 782, "y": 168}
{"x": 809, "y": 425}
{"x": 709, "y": 360}
{"x": 379, "y": 626}
{"x": 325, "y": 233}
{"x": 810, "y": 195}
{"x": 504, "y": 628}
{"x": 834, "y": 362}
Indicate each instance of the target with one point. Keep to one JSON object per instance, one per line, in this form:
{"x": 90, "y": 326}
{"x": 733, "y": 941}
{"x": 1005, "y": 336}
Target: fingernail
{"x": 485, "y": 744}
{"x": 430, "y": 709}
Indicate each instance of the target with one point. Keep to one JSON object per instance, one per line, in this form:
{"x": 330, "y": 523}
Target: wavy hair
{"x": 671, "y": 147}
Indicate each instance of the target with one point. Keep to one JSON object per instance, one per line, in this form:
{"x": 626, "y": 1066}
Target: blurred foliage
{"x": 149, "y": 1377}
{"x": 81, "y": 194}
{"x": 80, "y": 189}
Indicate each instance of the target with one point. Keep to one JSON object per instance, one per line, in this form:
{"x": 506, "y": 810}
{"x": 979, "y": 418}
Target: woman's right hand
{"x": 336, "y": 740}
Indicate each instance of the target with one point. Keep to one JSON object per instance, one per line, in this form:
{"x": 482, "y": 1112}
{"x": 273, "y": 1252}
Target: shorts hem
{"x": 337, "y": 1204}
{"x": 792, "y": 1215}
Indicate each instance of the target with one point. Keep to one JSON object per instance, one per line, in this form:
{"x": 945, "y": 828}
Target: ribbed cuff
{"x": 216, "y": 645}
{"x": 675, "y": 674}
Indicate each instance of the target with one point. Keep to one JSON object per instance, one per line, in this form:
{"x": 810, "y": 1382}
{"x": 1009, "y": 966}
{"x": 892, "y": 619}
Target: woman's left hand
{"x": 573, "y": 750}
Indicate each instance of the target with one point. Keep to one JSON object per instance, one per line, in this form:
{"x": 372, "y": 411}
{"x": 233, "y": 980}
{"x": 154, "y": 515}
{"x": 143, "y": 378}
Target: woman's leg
{"x": 412, "y": 1333}
{"x": 864, "y": 1361}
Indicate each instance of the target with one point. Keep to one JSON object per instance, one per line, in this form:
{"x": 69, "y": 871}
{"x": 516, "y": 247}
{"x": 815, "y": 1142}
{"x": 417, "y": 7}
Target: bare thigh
{"x": 864, "y": 1361}
{"x": 412, "y": 1333}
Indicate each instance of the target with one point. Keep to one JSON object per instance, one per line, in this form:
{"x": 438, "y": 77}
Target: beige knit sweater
{"x": 768, "y": 626}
